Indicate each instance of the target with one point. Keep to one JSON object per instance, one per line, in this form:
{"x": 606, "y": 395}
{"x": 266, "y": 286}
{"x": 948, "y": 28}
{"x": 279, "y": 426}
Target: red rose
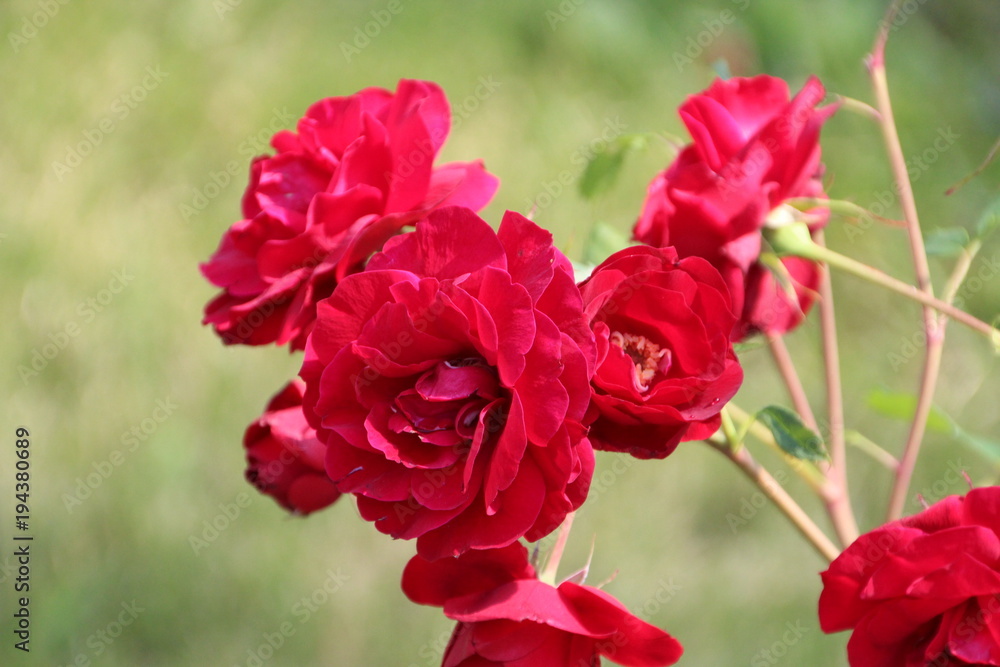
{"x": 358, "y": 170}
{"x": 665, "y": 363}
{"x": 449, "y": 381}
{"x": 753, "y": 149}
{"x": 508, "y": 617}
{"x": 921, "y": 591}
{"x": 284, "y": 458}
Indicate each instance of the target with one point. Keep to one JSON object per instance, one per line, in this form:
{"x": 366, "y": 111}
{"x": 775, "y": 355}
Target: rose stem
{"x": 859, "y": 107}
{"x": 552, "y": 564}
{"x": 818, "y": 478}
{"x": 839, "y": 506}
{"x": 878, "y": 454}
{"x": 873, "y": 275}
{"x": 783, "y": 360}
{"x": 805, "y": 469}
{"x": 934, "y": 333}
{"x": 834, "y": 493}
{"x": 770, "y": 487}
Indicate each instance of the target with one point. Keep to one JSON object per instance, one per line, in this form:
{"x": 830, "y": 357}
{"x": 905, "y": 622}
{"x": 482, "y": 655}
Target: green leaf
{"x": 904, "y": 406}
{"x": 946, "y": 241}
{"x": 604, "y": 241}
{"x": 604, "y": 167}
{"x": 794, "y": 437}
{"x": 601, "y": 173}
{"x": 989, "y": 221}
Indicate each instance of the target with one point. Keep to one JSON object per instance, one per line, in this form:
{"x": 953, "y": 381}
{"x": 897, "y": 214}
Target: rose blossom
{"x": 924, "y": 590}
{"x": 284, "y": 458}
{"x": 449, "y": 381}
{"x": 507, "y": 617}
{"x": 753, "y": 149}
{"x": 665, "y": 364}
{"x": 358, "y": 169}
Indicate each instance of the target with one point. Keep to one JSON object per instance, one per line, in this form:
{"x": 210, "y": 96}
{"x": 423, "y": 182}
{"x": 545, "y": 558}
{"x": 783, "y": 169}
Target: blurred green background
{"x": 100, "y": 251}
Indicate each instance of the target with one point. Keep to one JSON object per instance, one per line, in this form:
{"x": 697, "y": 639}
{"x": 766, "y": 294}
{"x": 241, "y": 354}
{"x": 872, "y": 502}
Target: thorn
{"x": 968, "y": 480}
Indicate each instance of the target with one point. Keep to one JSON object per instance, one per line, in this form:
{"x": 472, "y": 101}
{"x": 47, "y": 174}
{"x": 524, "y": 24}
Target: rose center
{"x": 446, "y": 403}
{"x": 647, "y": 357}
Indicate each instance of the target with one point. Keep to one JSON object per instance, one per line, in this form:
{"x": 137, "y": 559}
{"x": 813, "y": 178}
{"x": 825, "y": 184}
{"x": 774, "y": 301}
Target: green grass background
{"x": 565, "y": 71}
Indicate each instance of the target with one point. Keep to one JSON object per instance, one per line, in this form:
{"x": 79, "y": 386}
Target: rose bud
{"x": 284, "y": 458}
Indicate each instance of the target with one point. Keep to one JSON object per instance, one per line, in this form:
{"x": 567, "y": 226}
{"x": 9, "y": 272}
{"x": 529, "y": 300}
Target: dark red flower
{"x": 449, "y": 381}
{"x": 665, "y": 363}
{"x": 753, "y": 149}
{"x": 509, "y": 618}
{"x": 284, "y": 458}
{"x": 921, "y": 591}
{"x": 358, "y": 169}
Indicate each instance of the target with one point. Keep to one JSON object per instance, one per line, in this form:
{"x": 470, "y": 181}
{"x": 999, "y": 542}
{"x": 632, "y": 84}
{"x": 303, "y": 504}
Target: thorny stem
{"x": 839, "y": 506}
{"x": 932, "y": 326}
{"x": 783, "y": 360}
{"x": 873, "y": 275}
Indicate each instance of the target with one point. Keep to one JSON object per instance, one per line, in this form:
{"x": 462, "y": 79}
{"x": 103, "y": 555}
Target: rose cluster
{"x": 457, "y": 379}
